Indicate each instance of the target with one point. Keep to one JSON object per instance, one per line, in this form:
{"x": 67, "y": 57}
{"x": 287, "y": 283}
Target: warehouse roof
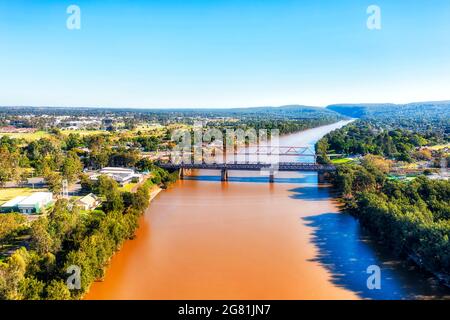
{"x": 35, "y": 198}
{"x": 14, "y": 202}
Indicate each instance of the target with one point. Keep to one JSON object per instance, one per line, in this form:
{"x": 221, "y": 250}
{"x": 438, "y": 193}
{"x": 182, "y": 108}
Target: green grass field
{"x": 42, "y": 134}
{"x": 128, "y": 187}
{"x": 27, "y": 136}
{"x": 147, "y": 127}
{"x": 83, "y": 132}
{"x": 341, "y": 161}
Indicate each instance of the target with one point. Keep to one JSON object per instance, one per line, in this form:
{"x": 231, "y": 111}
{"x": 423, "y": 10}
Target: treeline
{"x": 420, "y": 111}
{"x": 162, "y": 116}
{"x": 367, "y": 137}
{"x": 45, "y": 156}
{"x": 422, "y": 117}
{"x": 60, "y": 156}
{"x": 66, "y": 241}
{"x": 411, "y": 218}
{"x": 285, "y": 126}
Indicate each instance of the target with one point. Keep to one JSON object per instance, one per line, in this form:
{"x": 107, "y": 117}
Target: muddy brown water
{"x": 248, "y": 239}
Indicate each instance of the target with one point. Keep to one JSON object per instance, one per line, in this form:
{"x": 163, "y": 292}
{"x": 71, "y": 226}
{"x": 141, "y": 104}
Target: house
{"x": 28, "y": 204}
{"x": 89, "y": 202}
{"x": 120, "y": 175}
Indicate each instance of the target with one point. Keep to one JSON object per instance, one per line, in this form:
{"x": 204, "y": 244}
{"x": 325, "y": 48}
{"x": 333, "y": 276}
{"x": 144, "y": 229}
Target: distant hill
{"x": 439, "y": 110}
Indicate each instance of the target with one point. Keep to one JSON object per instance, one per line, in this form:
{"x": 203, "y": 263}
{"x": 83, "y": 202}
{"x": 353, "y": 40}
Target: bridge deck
{"x": 282, "y": 166}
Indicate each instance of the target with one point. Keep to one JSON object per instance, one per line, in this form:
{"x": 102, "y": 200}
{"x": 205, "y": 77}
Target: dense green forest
{"x": 369, "y": 137}
{"x": 420, "y": 117}
{"x": 411, "y": 218}
{"x": 395, "y": 112}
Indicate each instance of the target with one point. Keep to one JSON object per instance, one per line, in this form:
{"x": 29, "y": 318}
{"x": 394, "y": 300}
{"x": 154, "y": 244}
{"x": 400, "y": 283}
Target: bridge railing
{"x": 247, "y": 154}
{"x": 282, "y": 166}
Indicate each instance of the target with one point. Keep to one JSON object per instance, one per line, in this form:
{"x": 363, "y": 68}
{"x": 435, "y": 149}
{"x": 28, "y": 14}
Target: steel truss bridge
{"x": 257, "y": 158}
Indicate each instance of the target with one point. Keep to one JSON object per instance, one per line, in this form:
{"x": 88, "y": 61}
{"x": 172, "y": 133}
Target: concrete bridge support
{"x": 181, "y": 174}
{"x": 271, "y": 176}
{"x": 184, "y": 172}
{"x": 224, "y": 175}
{"x": 323, "y": 176}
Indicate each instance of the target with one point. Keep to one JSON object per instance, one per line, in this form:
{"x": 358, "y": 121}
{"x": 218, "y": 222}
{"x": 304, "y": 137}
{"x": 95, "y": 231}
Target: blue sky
{"x": 223, "y": 53}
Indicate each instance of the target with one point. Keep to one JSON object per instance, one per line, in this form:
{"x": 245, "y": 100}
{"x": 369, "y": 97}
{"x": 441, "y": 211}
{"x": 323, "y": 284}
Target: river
{"x": 248, "y": 239}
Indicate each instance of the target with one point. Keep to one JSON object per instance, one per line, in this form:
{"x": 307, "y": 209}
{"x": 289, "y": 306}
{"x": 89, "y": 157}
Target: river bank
{"x": 248, "y": 239}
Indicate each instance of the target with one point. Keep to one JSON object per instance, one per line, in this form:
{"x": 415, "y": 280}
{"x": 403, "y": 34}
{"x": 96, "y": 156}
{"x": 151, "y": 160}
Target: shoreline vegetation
{"x": 65, "y": 238}
{"x": 415, "y": 229}
{"x": 152, "y": 195}
{"x": 411, "y": 217}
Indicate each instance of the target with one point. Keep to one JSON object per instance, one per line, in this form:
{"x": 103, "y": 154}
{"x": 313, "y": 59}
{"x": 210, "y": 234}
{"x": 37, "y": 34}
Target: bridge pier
{"x": 224, "y": 175}
{"x": 181, "y": 174}
{"x": 271, "y": 176}
{"x": 323, "y": 176}
{"x": 184, "y": 172}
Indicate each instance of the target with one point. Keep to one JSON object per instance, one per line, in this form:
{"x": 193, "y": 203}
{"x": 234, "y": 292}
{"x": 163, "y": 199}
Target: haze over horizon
{"x": 225, "y": 54}
{"x": 225, "y": 108}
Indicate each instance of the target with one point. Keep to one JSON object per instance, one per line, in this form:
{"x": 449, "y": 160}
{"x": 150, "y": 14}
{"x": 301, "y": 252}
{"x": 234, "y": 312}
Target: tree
{"x": 377, "y": 162}
{"x": 41, "y": 240}
{"x": 31, "y": 289}
{"x": 57, "y": 290}
{"x": 423, "y": 154}
{"x": 73, "y": 141}
{"x": 10, "y": 225}
{"x": 53, "y": 180}
{"x": 322, "y": 151}
{"x": 110, "y": 190}
{"x": 9, "y": 167}
{"x": 87, "y": 184}
{"x": 62, "y": 222}
{"x": 4, "y": 176}
{"x": 72, "y": 166}
{"x": 23, "y": 179}
{"x": 12, "y": 273}
{"x": 124, "y": 158}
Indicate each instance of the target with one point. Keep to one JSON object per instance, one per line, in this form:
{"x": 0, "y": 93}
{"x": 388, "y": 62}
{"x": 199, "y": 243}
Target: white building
{"x": 28, "y": 204}
{"x": 121, "y": 175}
{"x": 11, "y": 205}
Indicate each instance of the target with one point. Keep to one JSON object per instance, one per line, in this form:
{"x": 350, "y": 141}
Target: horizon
{"x": 227, "y": 54}
{"x": 228, "y": 108}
